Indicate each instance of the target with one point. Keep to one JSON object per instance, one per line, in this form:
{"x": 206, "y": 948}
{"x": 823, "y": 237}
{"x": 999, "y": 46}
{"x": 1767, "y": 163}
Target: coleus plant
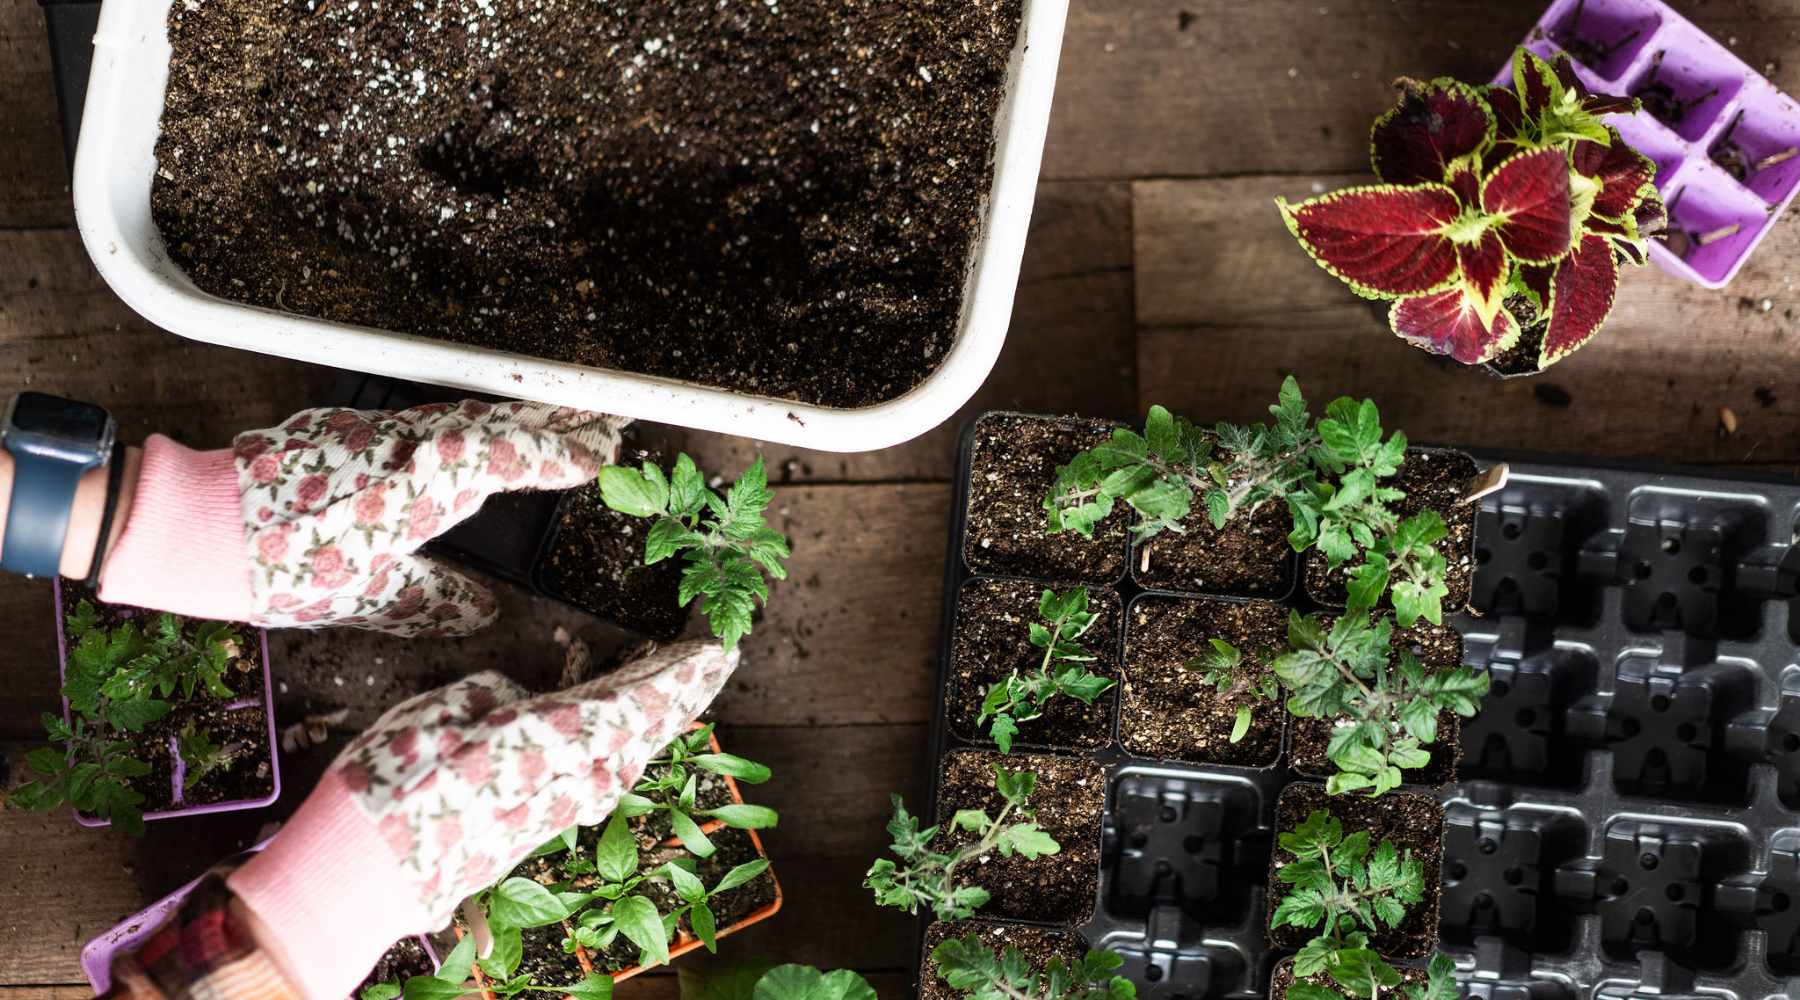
{"x": 725, "y": 540}
{"x": 927, "y": 877}
{"x": 1499, "y": 212}
{"x": 1344, "y": 888}
{"x": 1062, "y": 669}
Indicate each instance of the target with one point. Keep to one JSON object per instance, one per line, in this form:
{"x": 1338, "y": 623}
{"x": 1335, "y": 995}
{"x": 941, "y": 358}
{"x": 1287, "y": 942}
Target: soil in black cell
{"x": 780, "y": 199}
{"x": 1433, "y": 480}
{"x": 242, "y": 732}
{"x": 1249, "y": 557}
{"x": 1071, "y": 792}
{"x": 1412, "y": 822}
{"x": 1011, "y": 470}
{"x": 544, "y": 957}
{"x": 1438, "y": 647}
{"x": 596, "y": 562}
{"x": 1038, "y": 945}
{"x": 993, "y": 638}
{"x": 1167, "y": 712}
{"x": 1284, "y": 979}
{"x": 406, "y": 959}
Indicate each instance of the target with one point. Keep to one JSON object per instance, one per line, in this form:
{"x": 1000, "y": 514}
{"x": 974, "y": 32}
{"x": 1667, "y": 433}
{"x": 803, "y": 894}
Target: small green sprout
{"x": 1023, "y": 697}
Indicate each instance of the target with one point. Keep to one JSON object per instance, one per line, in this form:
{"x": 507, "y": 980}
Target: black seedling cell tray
{"x": 1624, "y": 821}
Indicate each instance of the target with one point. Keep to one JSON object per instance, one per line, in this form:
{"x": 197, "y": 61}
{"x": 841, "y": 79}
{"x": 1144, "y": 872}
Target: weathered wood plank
{"x": 65, "y": 884}
{"x": 1199, "y": 88}
{"x": 62, "y": 330}
{"x": 1229, "y": 303}
{"x": 34, "y": 177}
{"x": 1070, "y": 347}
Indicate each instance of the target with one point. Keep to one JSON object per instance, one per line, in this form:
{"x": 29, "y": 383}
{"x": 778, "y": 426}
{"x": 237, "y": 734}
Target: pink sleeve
{"x": 324, "y": 889}
{"x": 182, "y": 548}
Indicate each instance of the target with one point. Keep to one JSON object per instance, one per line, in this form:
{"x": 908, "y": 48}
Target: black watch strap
{"x": 37, "y": 522}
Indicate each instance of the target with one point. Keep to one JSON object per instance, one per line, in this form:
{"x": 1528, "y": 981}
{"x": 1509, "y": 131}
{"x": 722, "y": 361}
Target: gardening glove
{"x": 318, "y": 522}
{"x": 447, "y": 793}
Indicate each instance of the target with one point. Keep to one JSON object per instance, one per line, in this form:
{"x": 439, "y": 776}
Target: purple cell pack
{"x": 266, "y": 701}
{"x": 1726, "y": 143}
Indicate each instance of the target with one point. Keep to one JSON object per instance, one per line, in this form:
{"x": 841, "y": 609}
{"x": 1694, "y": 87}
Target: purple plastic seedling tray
{"x": 97, "y": 955}
{"x": 1712, "y": 104}
{"x": 180, "y": 769}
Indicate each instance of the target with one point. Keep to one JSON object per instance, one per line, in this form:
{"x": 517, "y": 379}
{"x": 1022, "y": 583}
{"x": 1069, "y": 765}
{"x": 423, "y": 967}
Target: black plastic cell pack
{"x": 1624, "y": 824}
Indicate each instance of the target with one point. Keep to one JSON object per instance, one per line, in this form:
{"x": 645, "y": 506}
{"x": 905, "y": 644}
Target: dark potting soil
{"x": 1165, "y": 711}
{"x": 710, "y": 792}
{"x": 1011, "y": 468}
{"x": 1039, "y": 945}
{"x": 993, "y": 638}
{"x": 1249, "y": 557}
{"x": 1284, "y": 978}
{"x": 1433, "y": 480}
{"x": 1412, "y": 822}
{"x": 1056, "y": 888}
{"x": 403, "y": 961}
{"x": 544, "y": 957}
{"x": 774, "y": 198}
{"x": 1438, "y": 647}
{"x": 1522, "y": 357}
{"x": 596, "y": 561}
{"x": 250, "y": 773}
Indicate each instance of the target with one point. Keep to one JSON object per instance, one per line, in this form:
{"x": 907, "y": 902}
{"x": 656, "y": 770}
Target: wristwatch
{"x": 53, "y": 443}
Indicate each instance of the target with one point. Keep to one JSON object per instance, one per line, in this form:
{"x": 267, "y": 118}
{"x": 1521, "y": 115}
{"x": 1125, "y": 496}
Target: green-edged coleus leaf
{"x": 1581, "y": 297}
{"x": 1621, "y": 170}
{"x": 1384, "y": 240}
{"x": 1433, "y": 126}
{"x": 1528, "y": 197}
{"x": 1448, "y": 322}
{"x": 1597, "y": 104}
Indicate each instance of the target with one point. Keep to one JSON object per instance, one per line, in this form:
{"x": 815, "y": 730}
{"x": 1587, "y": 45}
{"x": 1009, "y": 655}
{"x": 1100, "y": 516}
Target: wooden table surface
{"x": 1157, "y": 271}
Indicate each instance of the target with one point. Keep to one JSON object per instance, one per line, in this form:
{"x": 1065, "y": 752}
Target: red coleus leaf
{"x": 1581, "y": 298}
{"x": 1621, "y": 171}
{"x": 1599, "y": 104}
{"x": 1383, "y": 241}
{"x": 1484, "y": 269}
{"x": 1509, "y": 114}
{"x": 1651, "y": 214}
{"x": 1538, "y": 279}
{"x": 1467, "y": 185}
{"x": 1534, "y": 81}
{"x": 1529, "y": 195}
{"x": 1433, "y": 125}
{"x": 1448, "y": 323}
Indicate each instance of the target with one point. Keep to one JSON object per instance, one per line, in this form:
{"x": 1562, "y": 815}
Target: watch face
{"x": 37, "y": 413}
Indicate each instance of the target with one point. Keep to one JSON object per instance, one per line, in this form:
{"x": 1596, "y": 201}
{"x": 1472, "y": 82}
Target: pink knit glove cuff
{"x": 182, "y": 547}
{"x": 448, "y": 792}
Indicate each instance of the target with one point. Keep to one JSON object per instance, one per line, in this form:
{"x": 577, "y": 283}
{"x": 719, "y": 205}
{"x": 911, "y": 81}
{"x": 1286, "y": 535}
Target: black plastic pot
{"x": 71, "y": 25}
{"x": 1624, "y": 811}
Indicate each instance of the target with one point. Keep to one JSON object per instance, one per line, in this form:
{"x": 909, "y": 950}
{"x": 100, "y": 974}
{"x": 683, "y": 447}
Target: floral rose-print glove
{"x": 317, "y": 522}
{"x": 447, "y": 793}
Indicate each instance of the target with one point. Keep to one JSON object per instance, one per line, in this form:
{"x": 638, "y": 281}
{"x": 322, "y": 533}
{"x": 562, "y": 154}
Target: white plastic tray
{"x": 115, "y": 162}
